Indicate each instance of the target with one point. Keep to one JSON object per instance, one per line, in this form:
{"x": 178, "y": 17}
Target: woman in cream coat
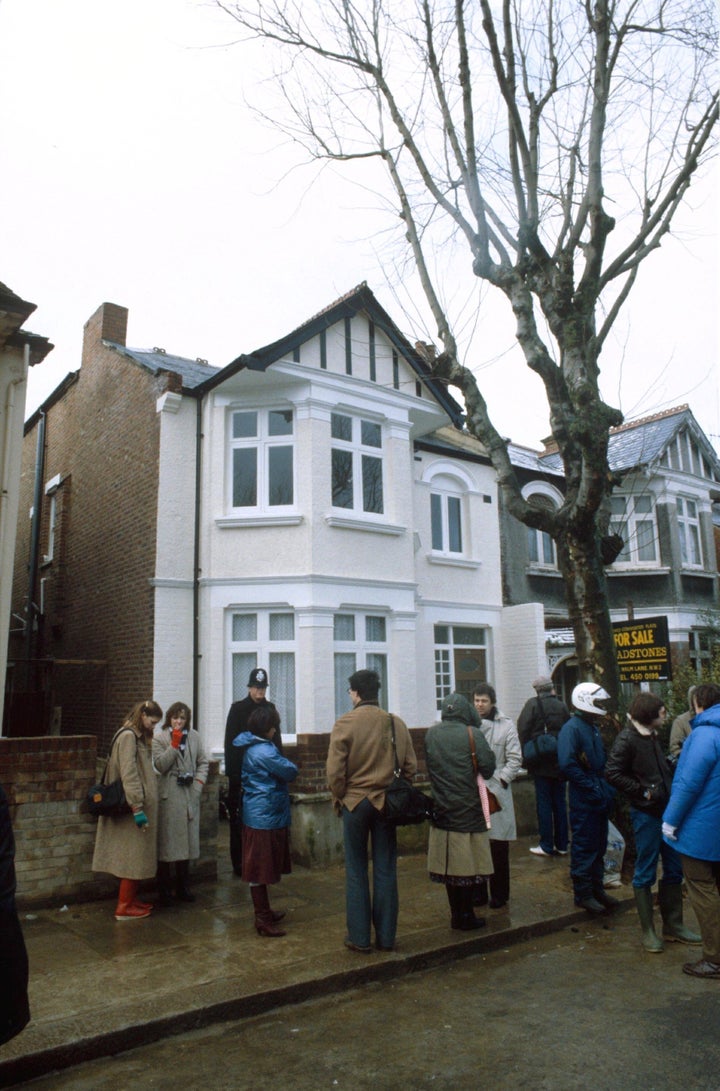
{"x": 182, "y": 764}
{"x": 126, "y": 845}
{"x": 502, "y": 737}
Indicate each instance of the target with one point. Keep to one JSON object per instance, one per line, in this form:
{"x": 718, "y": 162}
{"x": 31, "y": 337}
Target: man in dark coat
{"x": 237, "y": 720}
{"x": 546, "y": 713}
{"x": 14, "y": 1008}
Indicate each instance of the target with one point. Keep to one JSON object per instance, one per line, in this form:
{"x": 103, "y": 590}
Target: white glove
{"x": 669, "y": 831}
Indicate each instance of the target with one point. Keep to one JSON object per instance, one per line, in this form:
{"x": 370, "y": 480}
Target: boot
{"x": 606, "y": 900}
{"x": 264, "y": 923}
{"x": 480, "y": 893}
{"x": 671, "y": 910}
{"x": 164, "y": 884}
{"x": 644, "y": 902}
{"x": 125, "y": 909}
{"x": 468, "y": 920}
{"x": 455, "y": 908}
{"x": 182, "y": 890}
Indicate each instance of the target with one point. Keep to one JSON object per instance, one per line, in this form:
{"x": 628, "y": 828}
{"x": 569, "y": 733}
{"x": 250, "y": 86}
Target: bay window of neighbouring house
{"x": 633, "y": 518}
{"x": 356, "y": 464}
{"x": 266, "y": 638}
{"x": 460, "y": 659}
{"x": 540, "y": 545}
{"x": 262, "y": 452}
{"x": 360, "y": 642}
{"x": 689, "y": 527}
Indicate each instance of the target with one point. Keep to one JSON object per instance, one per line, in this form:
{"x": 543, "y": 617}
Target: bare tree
{"x": 509, "y": 129}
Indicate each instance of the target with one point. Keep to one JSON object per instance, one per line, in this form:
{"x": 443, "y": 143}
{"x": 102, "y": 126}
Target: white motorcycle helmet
{"x": 590, "y": 697}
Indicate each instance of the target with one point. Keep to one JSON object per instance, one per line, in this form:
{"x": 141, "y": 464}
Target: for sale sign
{"x": 643, "y": 650}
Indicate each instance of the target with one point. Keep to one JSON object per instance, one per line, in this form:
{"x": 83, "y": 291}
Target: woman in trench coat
{"x": 126, "y": 845}
{"x": 182, "y": 765}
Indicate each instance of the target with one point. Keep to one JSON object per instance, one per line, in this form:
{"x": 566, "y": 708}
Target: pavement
{"x": 99, "y": 986}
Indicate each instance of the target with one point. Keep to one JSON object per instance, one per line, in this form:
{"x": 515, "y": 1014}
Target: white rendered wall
{"x": 523, "y": 656}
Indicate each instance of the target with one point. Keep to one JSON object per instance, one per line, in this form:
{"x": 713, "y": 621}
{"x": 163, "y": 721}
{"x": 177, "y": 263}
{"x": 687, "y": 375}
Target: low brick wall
{"x": 46, "y": 780}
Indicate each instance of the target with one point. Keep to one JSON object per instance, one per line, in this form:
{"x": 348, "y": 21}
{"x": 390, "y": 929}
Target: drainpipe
{"x": 9, "y": 425}
{"x": 35, "y": 543}
{"x": 196, "y": 558}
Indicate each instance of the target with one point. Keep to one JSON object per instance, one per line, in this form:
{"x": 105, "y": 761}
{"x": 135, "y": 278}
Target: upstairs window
{"x": 541, "y": 547}
{"x": 633, "y": 518}
{"x": 356, "y": 464}
{"x": 446, "y": 523}
{"x": 262, "y": 454}
{"x": 689, "y": 527}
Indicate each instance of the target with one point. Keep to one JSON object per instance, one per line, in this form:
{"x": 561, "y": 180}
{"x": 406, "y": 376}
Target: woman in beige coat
{"x": 182, "y": 765}
{"x": 126, "y": 845}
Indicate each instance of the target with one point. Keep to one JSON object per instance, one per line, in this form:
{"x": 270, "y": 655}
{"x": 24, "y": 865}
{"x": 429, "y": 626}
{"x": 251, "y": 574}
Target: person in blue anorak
{"x": 266, "y": 774}
{"x": 581, "y": 757}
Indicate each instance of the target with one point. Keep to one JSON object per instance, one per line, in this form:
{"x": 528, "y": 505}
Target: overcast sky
{"x": 133, "y": 172}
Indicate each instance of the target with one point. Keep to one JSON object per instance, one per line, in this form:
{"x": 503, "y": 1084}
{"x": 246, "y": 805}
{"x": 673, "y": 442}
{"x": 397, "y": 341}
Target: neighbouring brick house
{"x": 667, "y": 489}
{"x": 312, "y": 507}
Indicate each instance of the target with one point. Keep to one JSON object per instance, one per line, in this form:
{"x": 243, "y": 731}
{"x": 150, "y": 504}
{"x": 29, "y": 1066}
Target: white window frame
{"x": 263, "y": 443}
{"x": 262, "y": 648}
{"x": 361, "y": 651}
{"x": 444, "y": 654}
{"x": 51, "y": 490}
{"x": 538, "y": 540}
{"x": 690, "y": 532}
{"x": 358, "y": 451}
{"x": 628, "y": 523}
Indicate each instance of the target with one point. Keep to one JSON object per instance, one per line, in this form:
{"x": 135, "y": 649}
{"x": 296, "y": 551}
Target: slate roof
{"x": 642, "y": 442}
{"x": 192, "y": 372}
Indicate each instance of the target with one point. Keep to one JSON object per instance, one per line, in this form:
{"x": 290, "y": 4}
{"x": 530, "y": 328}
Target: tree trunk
{"x": 579, "y": 561}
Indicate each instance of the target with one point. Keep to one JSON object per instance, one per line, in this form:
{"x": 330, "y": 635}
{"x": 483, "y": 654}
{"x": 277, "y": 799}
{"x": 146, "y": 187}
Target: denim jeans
{"x": 649, "y": 846}
{"x": 552, "y": 816}
{"x": 359, "y": 825}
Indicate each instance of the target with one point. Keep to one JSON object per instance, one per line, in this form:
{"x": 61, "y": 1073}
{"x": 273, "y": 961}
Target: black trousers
{"x": 234, "y": 805}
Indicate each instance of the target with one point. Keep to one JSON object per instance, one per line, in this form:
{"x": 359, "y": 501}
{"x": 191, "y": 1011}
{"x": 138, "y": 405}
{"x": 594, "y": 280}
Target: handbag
{"x": 488, "y": 800}
{"x": 542, "y": 746}
{"x": 405, "y": 805}
{"x": 108, "y": 799}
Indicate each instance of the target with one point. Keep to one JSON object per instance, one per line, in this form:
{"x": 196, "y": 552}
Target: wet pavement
{"x": 99, "y": 986}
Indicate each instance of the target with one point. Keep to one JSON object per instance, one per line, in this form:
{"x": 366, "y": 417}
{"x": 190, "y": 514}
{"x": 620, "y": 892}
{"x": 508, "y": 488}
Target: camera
{"x": 185, "y": 779}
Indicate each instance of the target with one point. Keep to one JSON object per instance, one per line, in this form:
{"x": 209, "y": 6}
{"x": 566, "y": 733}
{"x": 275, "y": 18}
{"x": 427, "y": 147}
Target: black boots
{"x": 462, "y": 917}
{"x": 182, "y": 890}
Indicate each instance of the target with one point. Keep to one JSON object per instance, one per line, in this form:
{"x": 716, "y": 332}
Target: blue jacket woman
{"x": 691, "y": 824}
{"x": 266, "y": 774}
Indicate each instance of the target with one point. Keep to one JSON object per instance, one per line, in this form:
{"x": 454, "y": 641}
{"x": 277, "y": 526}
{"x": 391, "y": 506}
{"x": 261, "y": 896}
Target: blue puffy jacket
{"x": 694, "y": 807}
{"x": 266, "y": 774}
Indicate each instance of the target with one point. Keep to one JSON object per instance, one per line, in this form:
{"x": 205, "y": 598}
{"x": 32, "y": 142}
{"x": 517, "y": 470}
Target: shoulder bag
{"x": 542, "y": 746}
{"x": 108, "y": 799}
{"x": 405, "y": 805}
{"x": 488, "y": 800}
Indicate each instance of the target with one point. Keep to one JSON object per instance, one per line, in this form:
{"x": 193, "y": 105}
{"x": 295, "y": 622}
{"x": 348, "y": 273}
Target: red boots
{"x": 128, "y": 908}
{"x": 265, "y": 919}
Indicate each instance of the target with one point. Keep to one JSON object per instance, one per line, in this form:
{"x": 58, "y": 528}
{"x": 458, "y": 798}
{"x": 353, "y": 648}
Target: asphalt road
{"x": 582, "y": 1009}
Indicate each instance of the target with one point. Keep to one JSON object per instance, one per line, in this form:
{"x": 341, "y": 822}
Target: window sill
{"x": 638, "y": 570}
{"x": 232, "y": 522}
{"x": 543, "y": 570}
{"x": 453, "y": 562}
{"x": 345, "y": 522}
{"x": 686, "y": 570}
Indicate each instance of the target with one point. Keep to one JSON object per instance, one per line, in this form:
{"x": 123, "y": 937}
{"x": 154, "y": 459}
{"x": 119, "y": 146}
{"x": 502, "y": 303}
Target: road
{"x": 582, "y": 1009}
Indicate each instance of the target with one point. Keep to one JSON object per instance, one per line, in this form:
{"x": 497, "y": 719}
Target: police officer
{"x": 236, "y": 723}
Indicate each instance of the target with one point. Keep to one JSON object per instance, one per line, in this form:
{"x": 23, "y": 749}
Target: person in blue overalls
{"x": 581, "y": 757}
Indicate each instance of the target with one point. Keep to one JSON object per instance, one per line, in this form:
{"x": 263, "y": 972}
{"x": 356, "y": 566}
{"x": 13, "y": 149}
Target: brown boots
{"x": 128, "y": 908}
{"x": 265, "y": 918}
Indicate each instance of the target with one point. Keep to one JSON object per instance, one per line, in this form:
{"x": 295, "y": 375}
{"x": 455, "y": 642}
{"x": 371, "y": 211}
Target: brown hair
{"x": 645, "y": 708}
{"x": 175, "y": 710}
{"x": 263, "y": 719}
{"x": 150, "y": 708}
{"x": 707, "y": 695}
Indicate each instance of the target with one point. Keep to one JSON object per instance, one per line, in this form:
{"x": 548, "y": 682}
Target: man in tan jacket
{"x": 360, "y": 765}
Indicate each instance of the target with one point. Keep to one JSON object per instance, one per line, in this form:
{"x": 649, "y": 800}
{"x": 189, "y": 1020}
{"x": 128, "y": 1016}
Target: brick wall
{"x": 102, "y": 438}
{"x": 46, "y": 780}
{"x": 310, "y": 755}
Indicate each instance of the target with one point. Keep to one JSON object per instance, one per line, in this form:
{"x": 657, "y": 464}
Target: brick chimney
{"x": 109, "y": 323}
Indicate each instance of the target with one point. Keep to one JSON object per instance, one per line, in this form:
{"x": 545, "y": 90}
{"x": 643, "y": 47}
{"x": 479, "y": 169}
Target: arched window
{"x": 541, "y": 547}
{"x": 448, "y": 509}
